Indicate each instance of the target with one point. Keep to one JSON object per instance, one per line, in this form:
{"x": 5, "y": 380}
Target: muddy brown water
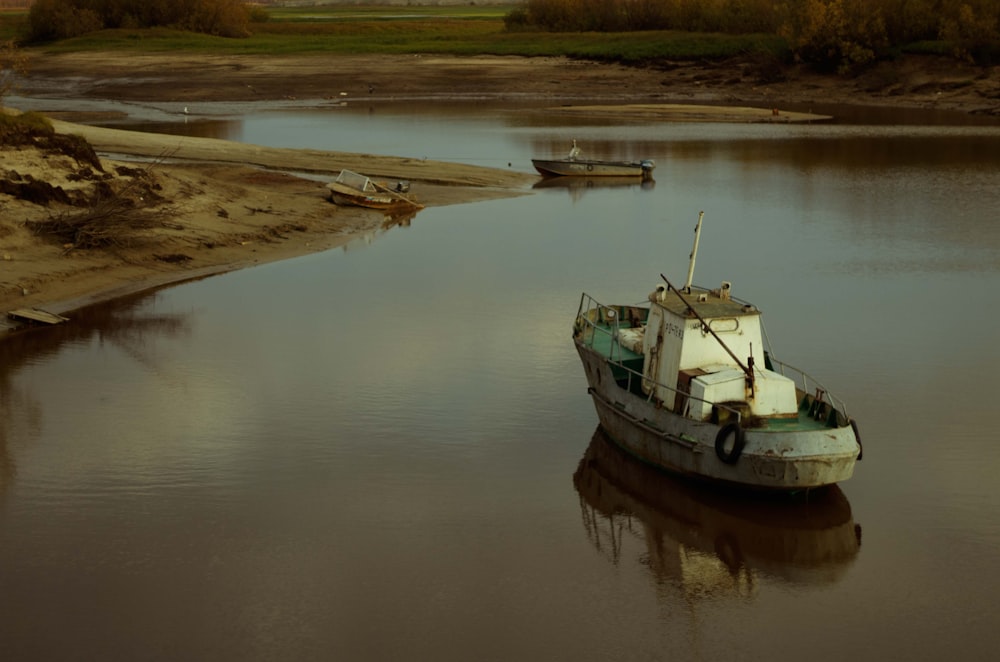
{"x": 388, "y": 451}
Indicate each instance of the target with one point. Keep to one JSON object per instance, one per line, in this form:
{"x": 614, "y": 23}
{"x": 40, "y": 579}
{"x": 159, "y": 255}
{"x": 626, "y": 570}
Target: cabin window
{"x": 724, "y": 324}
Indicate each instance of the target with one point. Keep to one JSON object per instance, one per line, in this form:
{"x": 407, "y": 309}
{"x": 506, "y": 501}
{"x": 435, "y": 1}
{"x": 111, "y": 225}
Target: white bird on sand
{"x": 185, "y": 110}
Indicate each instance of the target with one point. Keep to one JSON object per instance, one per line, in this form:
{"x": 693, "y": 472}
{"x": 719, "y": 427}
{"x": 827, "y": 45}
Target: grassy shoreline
{"x": 451, "y": 30}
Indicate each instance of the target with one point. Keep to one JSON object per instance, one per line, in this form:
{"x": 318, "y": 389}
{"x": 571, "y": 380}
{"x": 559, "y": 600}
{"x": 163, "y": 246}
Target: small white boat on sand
{"x": 574, "y": 166}
{"x": 351, "y": 188}
{"x": 686, "y": 383}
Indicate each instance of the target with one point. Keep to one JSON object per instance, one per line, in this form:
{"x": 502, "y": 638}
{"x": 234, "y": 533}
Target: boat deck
{"x": 801, "y": 423}
{"x": 600, "y": 339}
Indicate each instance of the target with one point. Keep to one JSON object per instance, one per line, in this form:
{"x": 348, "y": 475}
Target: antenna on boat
{"x": 694, "y": 254}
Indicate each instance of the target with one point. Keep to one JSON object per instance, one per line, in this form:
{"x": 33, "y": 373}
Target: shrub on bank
{"x": 831, "y": 34}
{"x": 837, "y": 35}
{"x": 30, "y": 124}
{"x": 49, "y": 20}
{"x": 972, "y": 31}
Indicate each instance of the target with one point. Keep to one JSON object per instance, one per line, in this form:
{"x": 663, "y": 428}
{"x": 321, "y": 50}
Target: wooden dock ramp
{"x": 36, "y": 315}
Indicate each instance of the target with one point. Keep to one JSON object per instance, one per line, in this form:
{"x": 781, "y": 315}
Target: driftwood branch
{"x": 115, "y": 218}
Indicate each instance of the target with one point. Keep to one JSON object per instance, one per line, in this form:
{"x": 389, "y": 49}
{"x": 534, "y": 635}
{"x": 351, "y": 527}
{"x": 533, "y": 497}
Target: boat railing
{"x": 809, "y": 385}
{"x": 595, "y": 320}
{"x": 355, "y": 180}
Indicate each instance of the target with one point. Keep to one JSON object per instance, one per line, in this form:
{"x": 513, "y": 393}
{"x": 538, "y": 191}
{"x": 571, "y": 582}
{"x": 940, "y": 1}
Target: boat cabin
{"x": 710, "y": 347}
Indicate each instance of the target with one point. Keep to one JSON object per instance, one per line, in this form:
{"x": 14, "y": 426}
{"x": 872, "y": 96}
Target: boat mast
{"x": 706, "y": 327}
{"x": 694, "y": 254}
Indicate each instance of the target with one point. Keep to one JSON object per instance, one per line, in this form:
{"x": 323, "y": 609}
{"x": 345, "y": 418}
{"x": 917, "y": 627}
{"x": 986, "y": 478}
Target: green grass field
{"x": 458, "y": 30}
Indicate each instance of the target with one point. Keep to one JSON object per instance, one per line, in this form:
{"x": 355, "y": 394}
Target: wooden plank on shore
{"x": 37, "y": 315}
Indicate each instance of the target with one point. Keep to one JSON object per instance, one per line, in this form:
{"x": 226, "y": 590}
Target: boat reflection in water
{"x": 708, "y": 542}
{"x": 577, "y": 186}
{"x": 397, "y": 218}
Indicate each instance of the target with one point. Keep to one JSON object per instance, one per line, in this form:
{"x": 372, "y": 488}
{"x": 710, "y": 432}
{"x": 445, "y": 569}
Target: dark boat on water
{"x": 574, "y": 166}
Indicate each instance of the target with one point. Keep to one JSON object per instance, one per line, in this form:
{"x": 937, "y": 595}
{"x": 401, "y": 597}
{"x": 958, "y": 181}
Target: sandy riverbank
{"x": 231, "y": 205}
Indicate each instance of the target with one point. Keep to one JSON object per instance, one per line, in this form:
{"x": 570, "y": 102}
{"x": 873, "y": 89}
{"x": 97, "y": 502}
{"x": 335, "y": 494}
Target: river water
{"x": 387, "y": 451}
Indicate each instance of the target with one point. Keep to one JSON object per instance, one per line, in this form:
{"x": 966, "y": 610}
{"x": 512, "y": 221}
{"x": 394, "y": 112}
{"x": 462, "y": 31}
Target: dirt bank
{"x": 911, "y": 81}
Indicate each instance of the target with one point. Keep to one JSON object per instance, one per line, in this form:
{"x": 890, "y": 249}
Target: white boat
{"x": 351, "y": 188}
{"x": 686, "y": 383}
{"x": 574, "y": 166}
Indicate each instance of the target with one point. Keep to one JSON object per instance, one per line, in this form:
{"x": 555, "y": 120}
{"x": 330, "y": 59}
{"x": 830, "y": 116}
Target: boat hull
{"x": 588, "y": 168}
{"x": 357, "y": 190}
{"x": 346, "y": 196}
{"x": 787, "y": 460}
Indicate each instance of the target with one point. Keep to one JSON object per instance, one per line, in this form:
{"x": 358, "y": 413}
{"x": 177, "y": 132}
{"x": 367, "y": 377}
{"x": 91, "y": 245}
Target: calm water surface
{"x": 388, "y": 451}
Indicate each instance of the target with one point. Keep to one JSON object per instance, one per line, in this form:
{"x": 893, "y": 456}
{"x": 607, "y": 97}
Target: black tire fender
{"x": 733, "y": 455}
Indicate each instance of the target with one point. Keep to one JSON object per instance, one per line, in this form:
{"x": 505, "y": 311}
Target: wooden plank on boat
{"x": 37, "y": 315}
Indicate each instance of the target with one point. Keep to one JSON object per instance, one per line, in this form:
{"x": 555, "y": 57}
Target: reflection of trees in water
{"x": 121, "y": 324}
{"x": 700, "y": 542}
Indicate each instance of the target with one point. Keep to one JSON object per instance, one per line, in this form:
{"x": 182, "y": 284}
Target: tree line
{"x": 835, "y": 34}
{"x": 49, "y": 20}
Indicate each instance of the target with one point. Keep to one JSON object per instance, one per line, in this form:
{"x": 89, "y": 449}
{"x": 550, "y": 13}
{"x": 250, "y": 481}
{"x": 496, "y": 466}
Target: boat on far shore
{"x": 354, "y": 189}
{"x": 574, "y": 166}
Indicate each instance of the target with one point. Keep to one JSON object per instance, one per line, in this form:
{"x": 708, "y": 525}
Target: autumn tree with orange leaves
{"x": 49, "y": 20}
{"x": 836, "y": 35}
